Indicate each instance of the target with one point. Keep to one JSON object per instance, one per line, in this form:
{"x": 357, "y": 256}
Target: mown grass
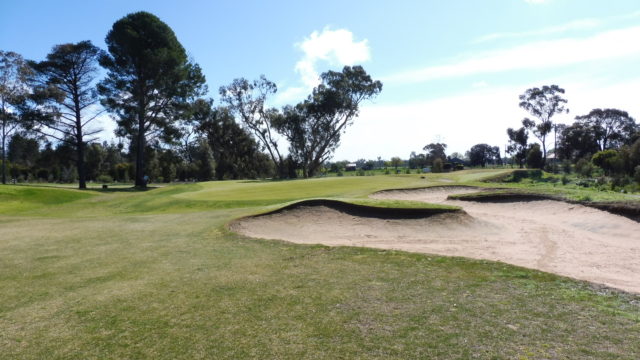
{"x": 155, "y": 275}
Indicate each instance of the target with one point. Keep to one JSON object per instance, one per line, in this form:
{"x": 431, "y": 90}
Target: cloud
{"x": 463, "y": 120}
{"x": 331, "y": 47}
{"x": 336, "y": 47}
{"x": 535, "y": 55}
{"x": 573, "y": 25}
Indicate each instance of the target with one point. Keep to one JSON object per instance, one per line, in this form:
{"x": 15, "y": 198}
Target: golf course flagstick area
{"x": 156, "y": 274}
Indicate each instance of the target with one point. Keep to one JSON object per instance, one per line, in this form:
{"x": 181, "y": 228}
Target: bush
{"x": 565, "y": 179}
{"x": 584, "y": 168}
{"x": 105, "y": 179}
{"x": 339, "y": 173}
{"x": 360, "y": 172}
{"x": 534, "y": 157}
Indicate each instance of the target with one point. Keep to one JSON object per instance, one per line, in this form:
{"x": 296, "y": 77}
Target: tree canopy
{"x": 314, "y": 127}
{"x": 611, "y": 128}
{"x": 543, "y": 103}
{"x": 14, "y": 93}
{"x": 65, "y": 82}
{"x": 150, "y": 81}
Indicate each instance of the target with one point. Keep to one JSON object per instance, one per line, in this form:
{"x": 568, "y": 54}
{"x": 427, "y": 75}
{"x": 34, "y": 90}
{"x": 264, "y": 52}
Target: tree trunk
{"x": 82, "y": 173}
{"x": 82, "y": 176}
{"x": 140, "y": 181}
{"x": 4, "y": 157}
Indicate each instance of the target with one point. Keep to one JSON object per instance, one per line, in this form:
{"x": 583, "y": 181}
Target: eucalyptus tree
{"x": 611, "y": 127}
{"x": 315, "y": 126}
{"x": 518, "y": 144}
{"x": 65, "y": 82}
{"x": 247, "y": 100}
{"x": 14, "y": 93}
{"x": 150, "y": 82}
{"x": 543, "y": 103}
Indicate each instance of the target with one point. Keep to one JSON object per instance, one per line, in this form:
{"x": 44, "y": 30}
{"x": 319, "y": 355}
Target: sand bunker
{"x": 566, "y": 239}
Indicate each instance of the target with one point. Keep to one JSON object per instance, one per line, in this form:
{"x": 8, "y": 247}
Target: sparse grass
{"x": 154, "y": 274}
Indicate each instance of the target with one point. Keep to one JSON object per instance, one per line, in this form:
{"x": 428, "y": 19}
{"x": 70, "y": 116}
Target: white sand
{"x": 566, "y": 239}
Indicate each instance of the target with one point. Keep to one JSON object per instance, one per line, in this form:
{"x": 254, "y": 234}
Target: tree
{"x": 66, "y": 82}
{"x": 435, "y": 151}
{"x": 395, "y": 162}
{"x": 577, "y": 141}
{"x": 14, "y": 91}
{"x": 608, "y": 160}
{"x": 518, "y": 144}
{"x": 611, "y": 127}
{"x": 150, "y": 82}
{"x": 542, "y": 103}
{"x": 247, "y": 100}
{"x": 534, "y": 157}
{"x": 236, "y": 153}
{"x": 314, "y": 127}
{"x": 482, "y": 154}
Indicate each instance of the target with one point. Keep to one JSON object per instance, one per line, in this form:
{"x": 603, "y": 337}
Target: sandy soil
{"x": 553, "y": 236}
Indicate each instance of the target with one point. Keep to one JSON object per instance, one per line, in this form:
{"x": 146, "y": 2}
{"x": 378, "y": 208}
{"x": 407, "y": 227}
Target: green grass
{"x": 154, "y": 274}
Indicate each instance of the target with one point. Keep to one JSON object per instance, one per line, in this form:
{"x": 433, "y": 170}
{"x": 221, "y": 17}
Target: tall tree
{"x": 577, "y": 141}
{"x": 611, "y": 127}
{"x": 236, "y": 153}
{"x": 314, "y": 127}
{"x": 150, "y": 82}
{"x": 543, "y": 103}
{"x": 247, "y": 99}
{"x": 65, "y": 80}
{"x": 481, "y": 154}
{"x": 14, "y": 92}
{"x": 518, "y": 144}
{"x": 435, "y": 151}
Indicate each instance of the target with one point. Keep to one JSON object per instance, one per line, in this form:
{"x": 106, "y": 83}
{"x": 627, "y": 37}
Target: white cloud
{"x": 337, "y": 47}
{"x": 573, "y": 25}
{"x": 536, "y": 55}
{"x": 333, "y": 47}
{"x": 478, "y": 116}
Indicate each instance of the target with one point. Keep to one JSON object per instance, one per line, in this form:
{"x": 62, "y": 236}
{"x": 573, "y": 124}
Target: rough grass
{"x": 155, "y": 275}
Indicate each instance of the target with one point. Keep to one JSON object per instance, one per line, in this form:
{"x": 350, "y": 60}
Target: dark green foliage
{"x": 518, "y": 144}
{"x": 577, "y": 141}
{"x": 150, "y": 82}
{"x": 14, "y": 92}
{"x": 246, "y": 99}
{"x": 314, "y": 127}
{"x": 609, "y": 160}
{"x": 610, "y": 128}
{"x": 65, "y": 90}
{"x": 482, "y": 154}
{"x": 543, "y": 103}
{"x": 534, "y": 157}
{"x": 435, "y": 151}
{"x": 236, "y": 154}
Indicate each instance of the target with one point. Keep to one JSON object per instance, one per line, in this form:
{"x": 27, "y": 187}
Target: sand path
{"x": 566, "y": 239}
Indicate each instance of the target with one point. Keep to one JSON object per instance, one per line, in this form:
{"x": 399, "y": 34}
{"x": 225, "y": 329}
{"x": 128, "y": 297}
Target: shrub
{"x": 584, "y": 168}
{"x": 534, "y": 157}
{"x": 105, "y": 179}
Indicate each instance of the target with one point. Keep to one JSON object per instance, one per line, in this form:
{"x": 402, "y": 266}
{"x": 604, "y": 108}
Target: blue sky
{"x": 452, "y": 70}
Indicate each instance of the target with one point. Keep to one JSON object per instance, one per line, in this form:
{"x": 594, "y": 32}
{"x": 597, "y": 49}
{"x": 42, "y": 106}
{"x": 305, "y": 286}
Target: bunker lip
{"x": 360, "y": 210}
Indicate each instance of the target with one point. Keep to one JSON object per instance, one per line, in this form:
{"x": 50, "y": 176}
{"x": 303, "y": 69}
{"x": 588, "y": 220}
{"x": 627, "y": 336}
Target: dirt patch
{"x": 554, "y": 236}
